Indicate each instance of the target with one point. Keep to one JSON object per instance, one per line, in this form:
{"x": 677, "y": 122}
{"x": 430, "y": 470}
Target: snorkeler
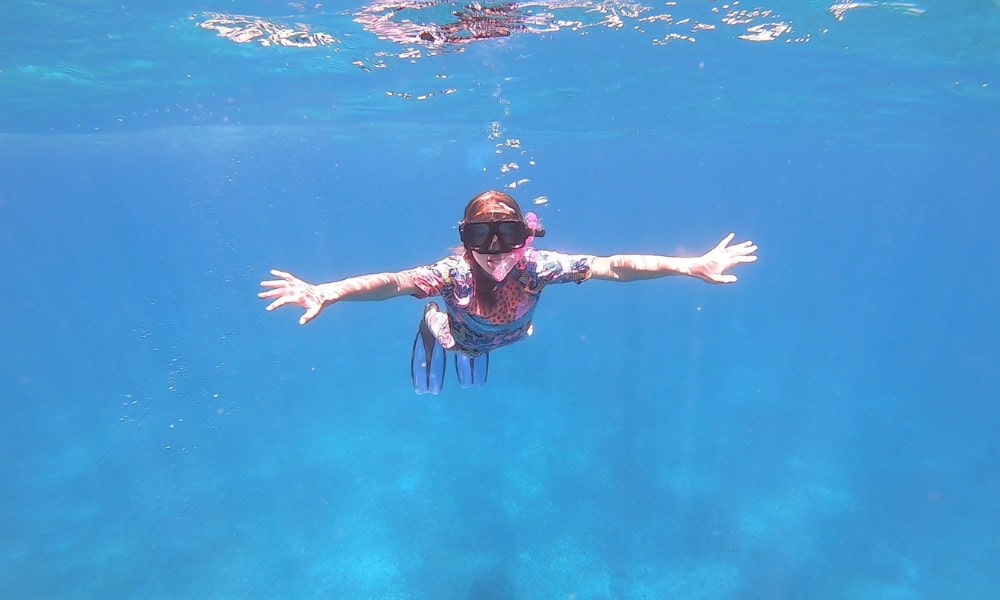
{"x": 491, "y": 286}
{"x": 400, "y": 21}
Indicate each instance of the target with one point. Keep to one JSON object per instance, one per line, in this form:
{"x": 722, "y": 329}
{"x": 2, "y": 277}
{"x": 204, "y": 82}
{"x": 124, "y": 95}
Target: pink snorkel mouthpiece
{"x": 514, "y": 256}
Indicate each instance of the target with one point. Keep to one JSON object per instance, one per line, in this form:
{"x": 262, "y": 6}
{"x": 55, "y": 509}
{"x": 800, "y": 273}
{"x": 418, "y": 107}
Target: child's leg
{"x": 437, "y": 322}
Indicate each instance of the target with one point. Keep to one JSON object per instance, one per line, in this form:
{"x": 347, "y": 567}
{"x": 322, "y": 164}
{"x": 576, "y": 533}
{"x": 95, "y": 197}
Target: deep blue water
{"x": 825, "y": 428}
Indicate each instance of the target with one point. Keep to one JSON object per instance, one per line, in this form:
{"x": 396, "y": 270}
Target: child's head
{"x": 494, "y": 233}
{"x": 492, "y": 206}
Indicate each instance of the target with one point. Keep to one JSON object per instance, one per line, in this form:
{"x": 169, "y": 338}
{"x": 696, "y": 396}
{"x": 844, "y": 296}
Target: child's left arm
{"x": 710, "y": 267}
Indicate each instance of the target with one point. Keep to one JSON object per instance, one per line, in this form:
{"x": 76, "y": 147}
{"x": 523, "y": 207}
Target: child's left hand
{"x": 712, "y": 266}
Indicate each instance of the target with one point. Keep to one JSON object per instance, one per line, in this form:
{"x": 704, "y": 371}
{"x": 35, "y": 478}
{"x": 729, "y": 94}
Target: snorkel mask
{"x": 513, "y": 238}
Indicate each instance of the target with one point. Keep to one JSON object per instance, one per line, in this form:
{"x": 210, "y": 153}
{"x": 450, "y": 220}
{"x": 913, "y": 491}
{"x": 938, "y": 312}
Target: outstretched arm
{"x": 710, "y": 267}
{"x": 290, "y": 290}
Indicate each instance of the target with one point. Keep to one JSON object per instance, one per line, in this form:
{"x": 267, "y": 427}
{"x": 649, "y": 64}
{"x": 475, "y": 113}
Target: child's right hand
{"x": 288, "y": 289}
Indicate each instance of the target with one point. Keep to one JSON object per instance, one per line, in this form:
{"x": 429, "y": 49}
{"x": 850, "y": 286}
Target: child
{"x": 490, "y": 287}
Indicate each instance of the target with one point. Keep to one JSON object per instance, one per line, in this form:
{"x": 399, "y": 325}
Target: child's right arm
{"x": 290, "y": 290}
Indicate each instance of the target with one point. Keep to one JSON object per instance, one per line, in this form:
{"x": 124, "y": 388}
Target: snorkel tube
{"x": 514, "y": 256}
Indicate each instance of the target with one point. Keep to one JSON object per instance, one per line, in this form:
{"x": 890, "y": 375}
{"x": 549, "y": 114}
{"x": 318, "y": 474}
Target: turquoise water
{"x": 825, "y": 428}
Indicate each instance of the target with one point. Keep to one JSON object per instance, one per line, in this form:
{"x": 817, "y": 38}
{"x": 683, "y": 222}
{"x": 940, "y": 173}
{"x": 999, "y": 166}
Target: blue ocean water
{"x": 824, "y": 428}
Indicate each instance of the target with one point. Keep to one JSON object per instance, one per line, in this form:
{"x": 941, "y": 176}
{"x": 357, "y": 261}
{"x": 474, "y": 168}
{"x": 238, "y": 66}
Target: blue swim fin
{"x": 427, "y": 363}
{"x": 471, "y": 371}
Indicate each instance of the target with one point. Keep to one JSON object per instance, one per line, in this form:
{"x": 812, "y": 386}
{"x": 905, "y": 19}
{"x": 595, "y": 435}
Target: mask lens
{"x": 512, "y": 234}
{"x": 475, "y": 235}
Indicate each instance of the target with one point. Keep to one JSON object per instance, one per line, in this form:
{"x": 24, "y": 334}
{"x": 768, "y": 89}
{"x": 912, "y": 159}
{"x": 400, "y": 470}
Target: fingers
{"x": 725, "y": 241}
{"x": 279, "y": 303}
{"x": 278, "y": 288}
{"x": 743, "y": 250}
{"x": 737, "y": 259}
{"x": 747, "y": 247}
{"x": 273, "y": 284}
{"x": 285, "y": 279}
{"x": 310, "y": 315}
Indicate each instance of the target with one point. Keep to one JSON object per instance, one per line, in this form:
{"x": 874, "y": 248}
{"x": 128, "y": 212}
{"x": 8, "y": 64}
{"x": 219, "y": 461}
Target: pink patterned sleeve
{"x": 556, "y": 267}
{"x": 430, "y": 280}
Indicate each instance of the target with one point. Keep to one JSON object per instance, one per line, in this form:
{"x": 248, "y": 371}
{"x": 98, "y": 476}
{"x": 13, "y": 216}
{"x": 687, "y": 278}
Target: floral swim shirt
{"x": 477, "y": 331}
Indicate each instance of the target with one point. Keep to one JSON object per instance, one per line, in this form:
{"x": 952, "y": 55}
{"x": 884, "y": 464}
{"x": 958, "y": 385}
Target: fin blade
{"x": 472, "y": 372}
{"x": 427, "y": 362}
